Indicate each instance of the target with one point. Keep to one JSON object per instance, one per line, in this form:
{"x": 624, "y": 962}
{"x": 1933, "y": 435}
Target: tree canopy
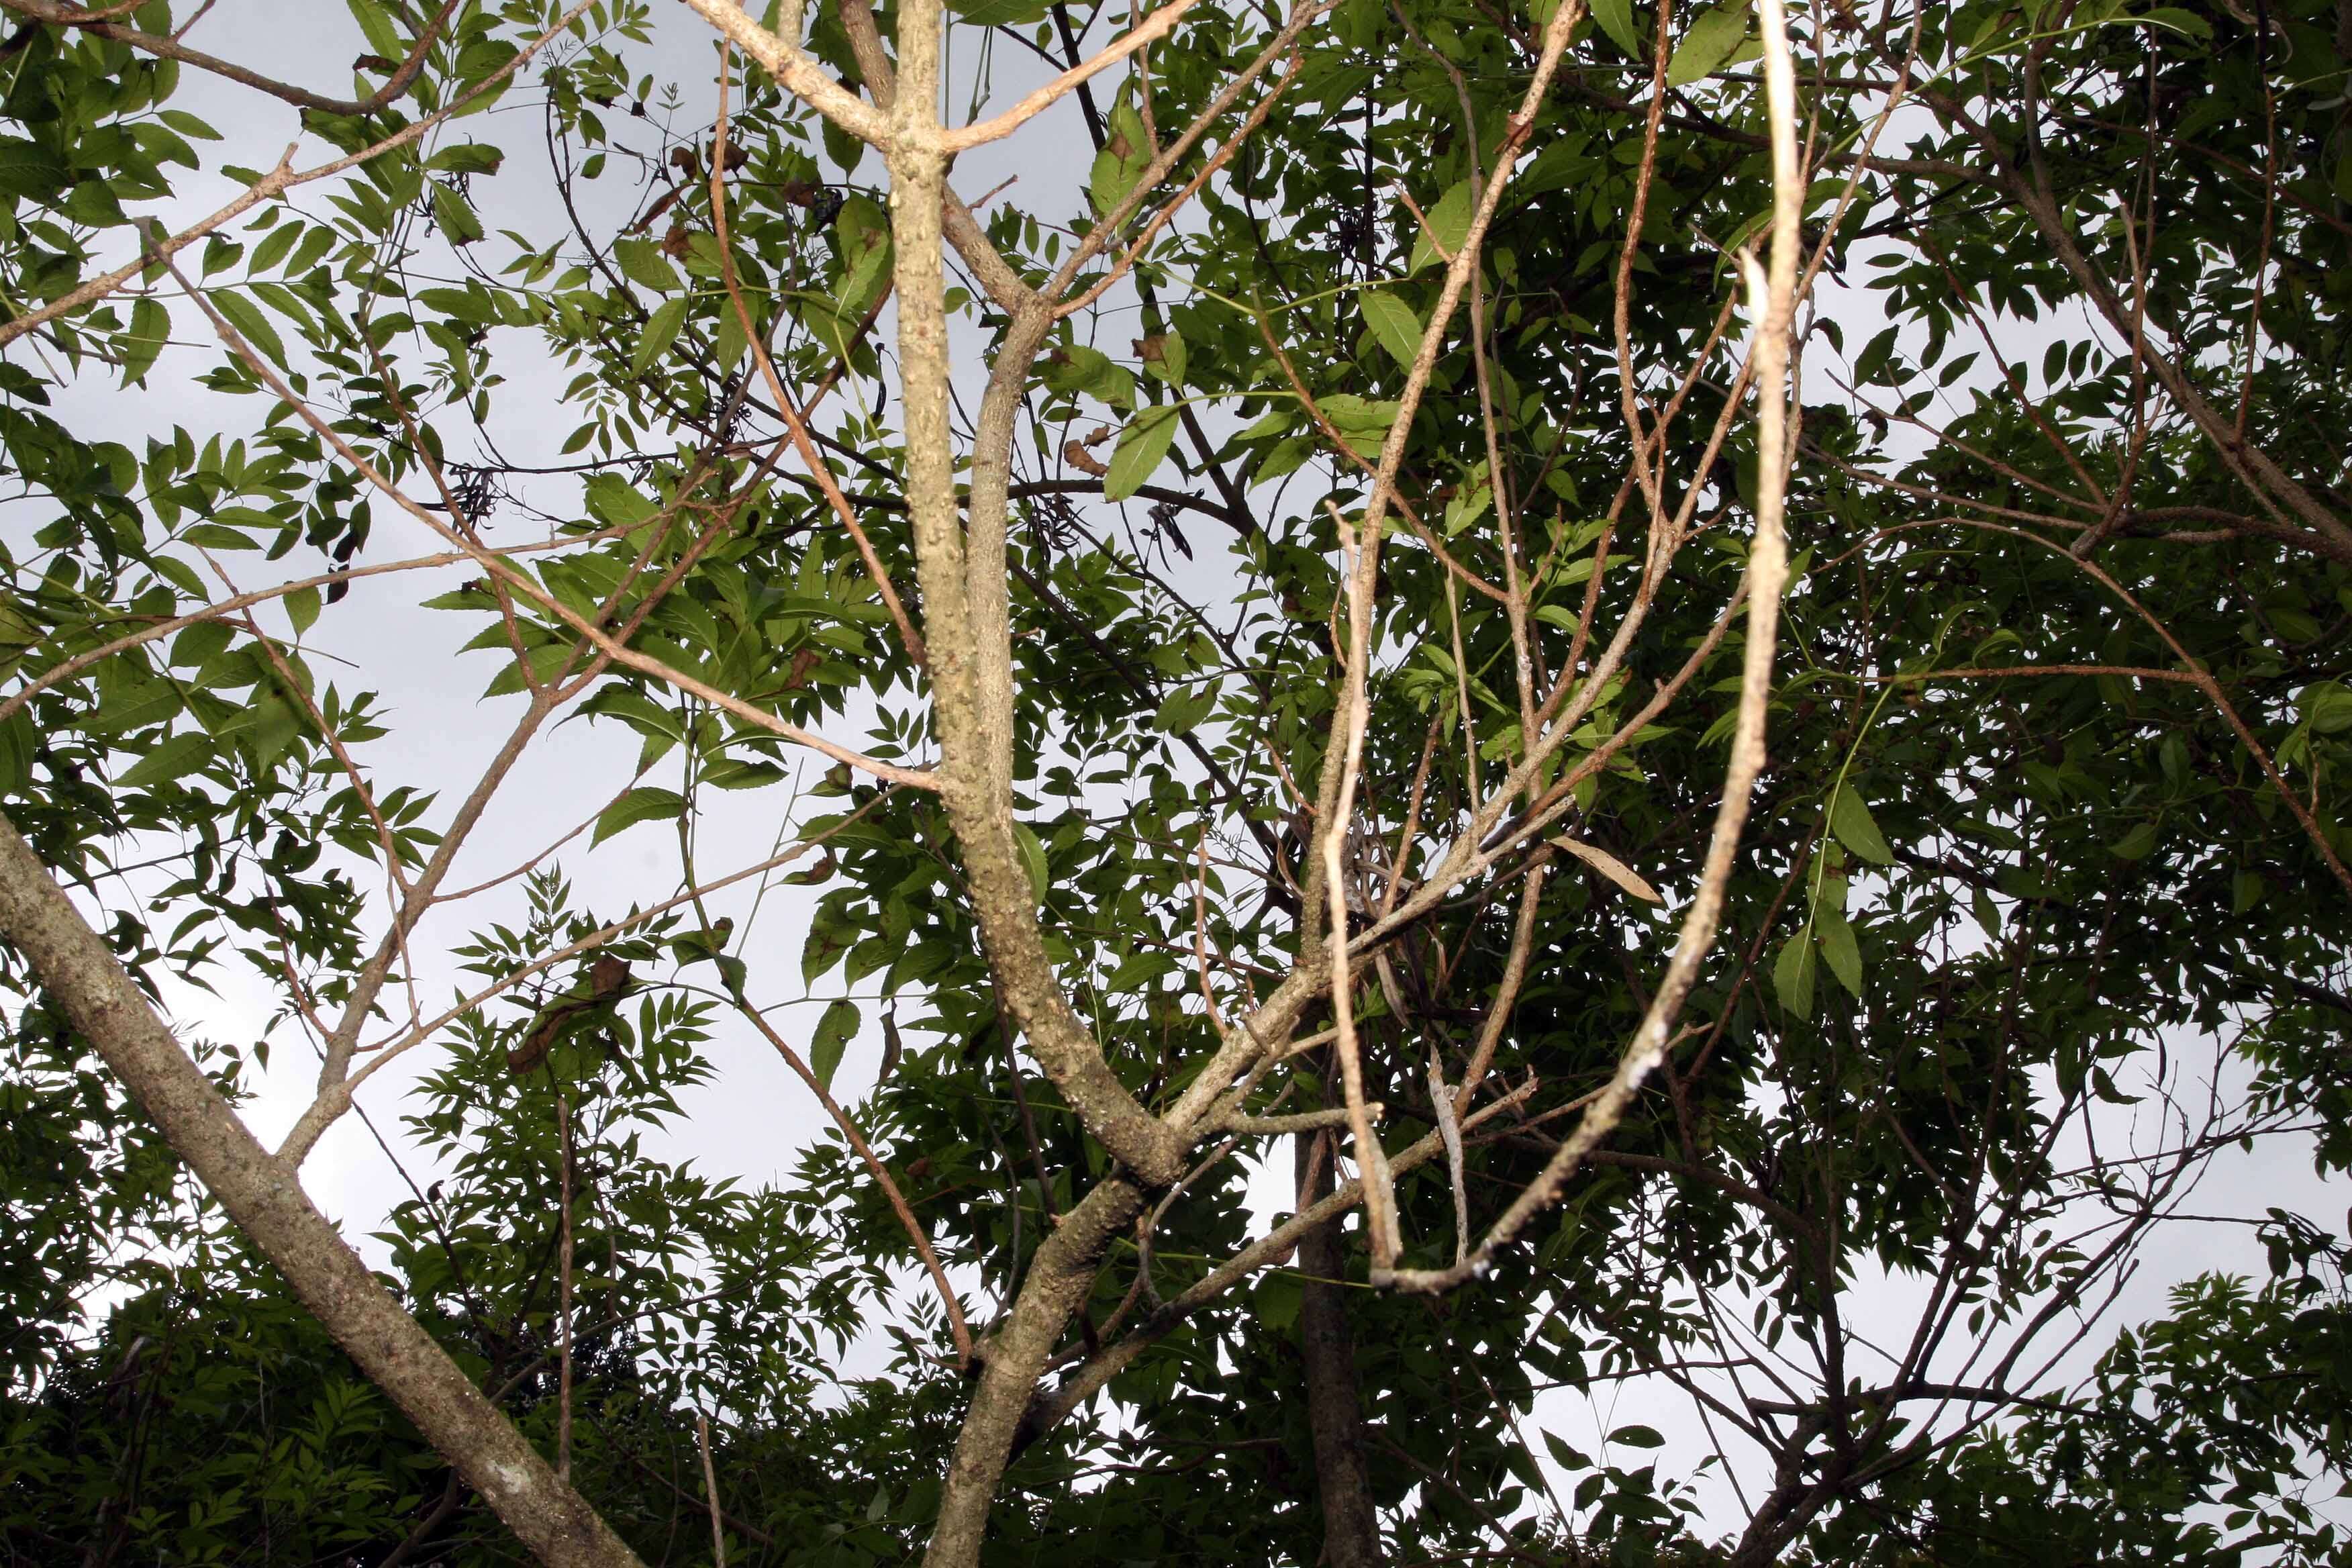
{"x": 1682, "y": 669}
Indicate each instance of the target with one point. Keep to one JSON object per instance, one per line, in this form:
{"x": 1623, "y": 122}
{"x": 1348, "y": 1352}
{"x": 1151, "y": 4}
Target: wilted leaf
{"x": 1610, "y": 866}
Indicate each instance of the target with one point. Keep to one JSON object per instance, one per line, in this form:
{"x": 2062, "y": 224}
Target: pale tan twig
{"x": 818, "y": 467}
{"x": 1773, "y": 300}
{"x": 997, "y": 127}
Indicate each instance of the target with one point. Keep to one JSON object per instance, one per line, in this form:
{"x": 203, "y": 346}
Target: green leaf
{"x": 377, "y": 28}
{"x": 1140, "y": 448}
{"x": 661, "y": 330}
{"x": 1184, "y": 709}
{"x": 1717, "y": 31}
{"x": 28, "y": 170}
{"x": 1126, "y": 153}
{"x": 1874, "y": 355}
{"x": 1852, "y": 825}
{"x": 302, "y": 609}
{"x": 93, "y": 202}
{"x": 2172, "y": 18}
{"x": 612, "y": 500}
{"x": 464, "y": 305}
{"x": 466, "y": 158}
{"x": 1000, "y": 13}
{"x": 1839, "y": 947}
{"x": 1616, "y": 19}
{"x": 834, "y": 1032}
{"x": 272, "y": 251}
{"x": 2326, "y": 707}
{"x": 1449, "y": 222}
{"x": 2138, "y": 843}
{"x": 861, "y": 286}
{"x": 1163, "y": 356}
{"x": 1277, "y": 1299}
{"x": 643, "y": 263}
{"x": 151, "y": 328}
{"x": 1360, "y": 414}
{"x": 19, "y": 744}
{"x": 544, "y": 660}
{"x": 1077, "y": 368}
{"x": 1033, "y": 856}
{"x": 643, "y": 804}
{"x": 129, "y": 698}
{"x": 1566, "y": 1458}
{"x": 1792, "y": 975}
{"x": 176, "y": 756}
{"x": 246, "y": 318}
{"x": 1466, "y": 507}
{"x": 1637, "y": 1438}
{"x": 460, "y": 225}
{"x": 1396, "y": 326}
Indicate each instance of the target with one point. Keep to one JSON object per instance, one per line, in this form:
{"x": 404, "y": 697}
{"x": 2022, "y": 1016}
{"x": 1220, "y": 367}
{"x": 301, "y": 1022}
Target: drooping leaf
{"x": 1616, "y": 19}
{"x": 644, "y": 803}
{"x": 1394, "y": 324}
{"x": 1839, "y": 949}
{"x": 1141, "y": 447}
{"x": 1447, "y": 227}
{"x": 151, "y": 327}
{"x": 1852, "y": 825}
{"x": 1033, "y": 856}
{"x": 1792, "y": 975}
{"x": 661, "y": 330}
{"x": 834, "y": 1032}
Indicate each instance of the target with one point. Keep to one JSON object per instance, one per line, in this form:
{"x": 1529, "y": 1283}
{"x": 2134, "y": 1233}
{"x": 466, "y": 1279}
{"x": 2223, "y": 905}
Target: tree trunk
{"x": 263, "y": 1196}
{"x": 1352, "y": 1527}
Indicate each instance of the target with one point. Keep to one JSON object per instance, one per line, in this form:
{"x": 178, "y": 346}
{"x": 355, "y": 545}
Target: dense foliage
{"x": 2040, "y": 906}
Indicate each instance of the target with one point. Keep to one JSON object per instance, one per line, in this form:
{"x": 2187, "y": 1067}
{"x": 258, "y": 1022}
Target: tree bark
{"x": 1351, "y": 1526}
{"x": 1014, "y": 1357}
{"x": 266, "y": 1202}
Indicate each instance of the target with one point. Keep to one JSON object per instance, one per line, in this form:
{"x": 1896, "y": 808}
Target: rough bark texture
{"x": 269, "y": 1205}
{"x": 1013, "y": 1358}
{"x": 1352, "y": 1527}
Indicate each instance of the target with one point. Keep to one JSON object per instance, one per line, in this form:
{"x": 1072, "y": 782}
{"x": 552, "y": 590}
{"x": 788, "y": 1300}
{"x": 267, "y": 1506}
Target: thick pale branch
{"x": 997, "y": 127}
{"x": 76, "y": 966}
{"x": 970, "y": 657}
{"x": 793, "y": 69}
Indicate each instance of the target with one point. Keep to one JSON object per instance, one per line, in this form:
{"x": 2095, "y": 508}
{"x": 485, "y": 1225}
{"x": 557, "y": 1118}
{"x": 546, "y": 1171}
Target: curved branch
{"x": 76, "y": 966}
{"x": 95, "y": 24}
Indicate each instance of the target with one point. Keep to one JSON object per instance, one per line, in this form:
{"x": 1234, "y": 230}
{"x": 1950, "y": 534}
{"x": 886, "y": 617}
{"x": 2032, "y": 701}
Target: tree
{"x": 1396, "y": 648}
